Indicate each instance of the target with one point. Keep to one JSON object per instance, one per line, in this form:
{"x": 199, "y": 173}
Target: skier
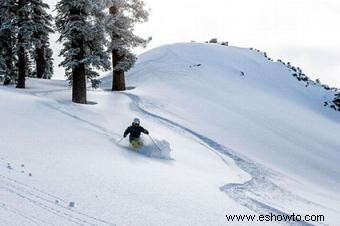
{"x": 135, "y": 131}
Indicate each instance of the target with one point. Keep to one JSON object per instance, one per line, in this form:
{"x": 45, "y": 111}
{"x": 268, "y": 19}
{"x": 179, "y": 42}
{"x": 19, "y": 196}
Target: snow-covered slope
{"x": 256, "y": 142}
{"x": 54, "y": 153}
{"x": 266, "y": 114}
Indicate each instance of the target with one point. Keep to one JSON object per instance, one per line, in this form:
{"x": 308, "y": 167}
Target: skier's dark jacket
{"x": 135, "y": 132}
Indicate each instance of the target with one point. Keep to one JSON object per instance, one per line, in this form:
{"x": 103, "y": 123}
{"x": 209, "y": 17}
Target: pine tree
{"x": 83, "y": 38}
{"x": 24, "y": 42}
{"x": 2, "y": 67}
{"x": 24, "y": 23}
{"x": 124, "y": 15}
{"x": 336, "y": 100}
{"x": 42, "y": 27}
{"x": 7, "y": 38}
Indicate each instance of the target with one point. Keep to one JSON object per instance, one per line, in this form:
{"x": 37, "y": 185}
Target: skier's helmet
{"x": 136, "y": 121}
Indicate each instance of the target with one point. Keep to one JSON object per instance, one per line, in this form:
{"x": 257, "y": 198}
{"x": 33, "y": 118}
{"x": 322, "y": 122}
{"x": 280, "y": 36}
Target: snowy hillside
{"x": 266, "y": 114}
{"x": 246, "y": 137}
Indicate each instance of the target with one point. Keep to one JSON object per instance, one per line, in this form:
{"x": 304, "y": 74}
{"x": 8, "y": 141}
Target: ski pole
{"x": 155, "y": 143}
{"x": 120, "y": 140}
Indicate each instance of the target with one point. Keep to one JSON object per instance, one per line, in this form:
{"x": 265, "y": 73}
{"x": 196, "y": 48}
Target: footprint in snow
{"x": 9, "y": 166}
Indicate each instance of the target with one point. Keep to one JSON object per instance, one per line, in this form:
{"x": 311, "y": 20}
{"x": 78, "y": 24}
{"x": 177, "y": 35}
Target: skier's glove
{"x": 124, "y": 136}
{"x": 147, "y": 132}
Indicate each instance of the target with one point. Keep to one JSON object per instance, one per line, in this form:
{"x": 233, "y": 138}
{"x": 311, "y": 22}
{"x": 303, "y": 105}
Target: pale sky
{"x": 304, "y": 32}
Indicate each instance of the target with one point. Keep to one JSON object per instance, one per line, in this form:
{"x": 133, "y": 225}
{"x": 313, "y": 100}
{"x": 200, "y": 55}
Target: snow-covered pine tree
{"x": 2, "y": 67}
{"x": 42, "y": 27}
{"x": 2, "y": 44}
{"x": 29, "y": 65}
{"x": 24, "y": 42}
{"x": 124, "y": 15}
{"x": 336, "y": 100}
{"x": 83, "y": 36}
{"x": 7, "y": 38}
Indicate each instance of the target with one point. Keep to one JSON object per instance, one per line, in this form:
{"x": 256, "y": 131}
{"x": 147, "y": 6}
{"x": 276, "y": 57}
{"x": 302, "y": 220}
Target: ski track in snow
{"x": 57, "y": 106}
{"x": 45, "y": 201}
{"x": 248, "y": 194}
{"x": 31, "y": 219}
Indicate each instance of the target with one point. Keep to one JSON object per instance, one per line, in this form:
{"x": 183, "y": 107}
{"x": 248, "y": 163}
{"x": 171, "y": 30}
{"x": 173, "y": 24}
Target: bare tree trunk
{"x": 118, "y": 81}
{"x": 78, "y": 72}
{"x": 21, "y": 68}
{"x": 40, "y": 62}
{"x": 78, "y": 75}
{"x": 21, "y": 52}
{"x": 79, "y": 79}
{"x": 79, "y": 85}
